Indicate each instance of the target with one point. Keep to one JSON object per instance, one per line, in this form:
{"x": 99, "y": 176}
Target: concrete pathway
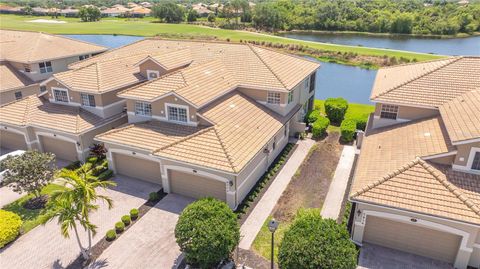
{"x": 7, "y": 196}
{"x": 264, "y": 207}
{"x": 336, "y": 192}
{"x": 150, "y": 243}
{"x": 45, "y": 247}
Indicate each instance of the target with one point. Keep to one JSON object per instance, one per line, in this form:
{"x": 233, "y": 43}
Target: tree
{"x": 207, "y": 232}
{"x": 89, "y": 14}
{"x": 313, "y": 242}
{"x": 77, "y": 201}
{"x": 238, "y": 5}
{"x": 29, "y": 172}
{"x": 192, "y": 15}
{"x": 168, "y": 11}
{"x": 269, "y": 15}
{"x": 211, "y": 17}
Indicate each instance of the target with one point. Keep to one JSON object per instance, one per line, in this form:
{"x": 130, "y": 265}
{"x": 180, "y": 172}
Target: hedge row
{"x": 10, "y": 224}
{"x": 120, "y": 226}
{"x": 348, "y": 129}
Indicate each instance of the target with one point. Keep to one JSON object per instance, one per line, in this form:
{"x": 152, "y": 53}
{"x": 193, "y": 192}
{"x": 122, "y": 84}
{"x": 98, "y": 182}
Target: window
{"x": 152, "y": 74}
{"x": 274, "y": 145}
{"x": 312, "y": 82}
{"x": 27, "y": 68}
{"x": 83, "y": 57}
{"x": 290, "y": 97}
{"x": 45, "y": 67}
{"x": 389, "y": 112}
{"x": 144, "y": 109}
{"x": 285, "y": 130}
{"x": 18, "y": 95}
{"x": 60, "y": 95}
{"x": 177, "y": 114}
{"x": 476, "y": 161}
{"x": 43, "y": 88}
{"x": 307, "y": 83}
{"x": 273, "y": 98}
{"x": 87, "y": 99}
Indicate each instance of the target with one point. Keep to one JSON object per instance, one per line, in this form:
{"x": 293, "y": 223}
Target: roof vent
{"x": 232, "y": 105}
{"x": 427, "y": 134}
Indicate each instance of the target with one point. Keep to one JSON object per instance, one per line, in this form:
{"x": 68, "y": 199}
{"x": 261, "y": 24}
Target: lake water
{"x": 336, "y": 80}
{"x": 454, "y": 46}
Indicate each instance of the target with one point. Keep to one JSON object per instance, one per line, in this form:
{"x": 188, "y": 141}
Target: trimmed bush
{"x": 313, "y": 242}
{"x": 207, "y": 232}
{"x": 335, "y": 108}
{"x": 126, "y": 219}
{"x": 134, "y": 213}
{"x": 313, "y": 115}
{"x": 92, "y": 160}
{"x": 105, "y": 175}
{"x": 361, "y": 120}
{"x": 10, "y": 224}
{"x": 319, "y": 127}
{"x": 153, "y": 196}
{"x": 111, "y": 235}
{"x": 119, "y": 227}
{"x": 73, "y": 165}
{"x": 347, "y": 129}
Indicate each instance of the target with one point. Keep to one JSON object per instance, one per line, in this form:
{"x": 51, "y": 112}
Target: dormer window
{"x": 152, "y": 74}
{"x": 60, "y": 95}
{"x": 177, "y": 113}
{"x": 143, "y": 109}
{"x": 273, "y": 98}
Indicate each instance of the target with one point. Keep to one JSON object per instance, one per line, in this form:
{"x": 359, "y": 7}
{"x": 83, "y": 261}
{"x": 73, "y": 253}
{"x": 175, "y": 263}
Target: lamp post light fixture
{"x": 272, "y": 226}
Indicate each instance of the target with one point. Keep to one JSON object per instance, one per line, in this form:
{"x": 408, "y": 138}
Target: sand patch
{"x": 46, "y": 21}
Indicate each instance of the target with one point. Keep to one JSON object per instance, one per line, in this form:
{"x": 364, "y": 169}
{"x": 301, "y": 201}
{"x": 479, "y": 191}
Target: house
{"x": 201, "y": 9}
{"x": 27, "y": 58}
{"x": 416, "y": 186}
{"x": 115, "y": 11}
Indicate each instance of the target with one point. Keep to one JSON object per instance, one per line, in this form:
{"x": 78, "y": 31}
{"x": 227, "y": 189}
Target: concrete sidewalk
{"x": 262, "y": 210}
{"x": 333, "y": 202}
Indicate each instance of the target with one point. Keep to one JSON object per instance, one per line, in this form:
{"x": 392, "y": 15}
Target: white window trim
{"x": 46, "y": 69}
{"x": 142, "y": 115}
{"x": 177, "y": 106}
{"x": 398, "y": 112}
{"x": 307, "y": 83}
{"x": 152, "y": 72}
{"x": 60, "y": 89}
{"x": 279, "y": 99}
{"x": 473, "y": 151}
{"x": 88, "y": 97}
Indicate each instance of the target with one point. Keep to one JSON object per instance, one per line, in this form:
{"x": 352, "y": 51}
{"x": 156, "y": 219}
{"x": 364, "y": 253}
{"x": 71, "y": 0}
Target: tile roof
{"x": 11, "y": 78}
{"x": 31, "y": 47}
{"x": 427, "y": 84}
{"x": 250, "y": 65}
{"x": 103, "y": 76}
{"x": 173, "y": 59}
{"x": 421, "y": 187}
{"x": 198, "y": 84}
{"x": 37, "y": 112}
{"x": 462, "y": 116}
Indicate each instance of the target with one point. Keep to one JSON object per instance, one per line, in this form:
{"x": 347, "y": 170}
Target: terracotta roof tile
{"x": 11, "y": 78}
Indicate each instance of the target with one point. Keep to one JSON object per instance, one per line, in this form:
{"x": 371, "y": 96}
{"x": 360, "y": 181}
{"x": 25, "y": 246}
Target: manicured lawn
{"x": 146, "y": 27}
{"x": 32, "y": 218}
{"x": 263, "y": 241}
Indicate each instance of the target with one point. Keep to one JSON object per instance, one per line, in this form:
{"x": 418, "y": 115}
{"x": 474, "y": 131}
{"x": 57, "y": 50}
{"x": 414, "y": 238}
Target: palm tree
{"x": 81, "y": 195}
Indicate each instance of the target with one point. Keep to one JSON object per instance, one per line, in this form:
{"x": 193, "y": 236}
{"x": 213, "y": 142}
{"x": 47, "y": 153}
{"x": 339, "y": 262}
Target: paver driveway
{"x": 377, "y": 257}
{"x": 44, "y": 247}
{"x": 150, "y": 243}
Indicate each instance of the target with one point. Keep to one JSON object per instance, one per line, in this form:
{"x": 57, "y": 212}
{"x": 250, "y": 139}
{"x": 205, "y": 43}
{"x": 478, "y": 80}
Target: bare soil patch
{"x": 309, "y": 187}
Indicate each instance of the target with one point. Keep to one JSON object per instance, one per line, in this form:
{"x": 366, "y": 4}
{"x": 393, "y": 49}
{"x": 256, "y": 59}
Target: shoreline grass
{"x": 147, "y": 27}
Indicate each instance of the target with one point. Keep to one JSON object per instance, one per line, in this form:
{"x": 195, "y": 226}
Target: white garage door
{"x": 196, "y": 186}
{"x": 137, "y": 168}
{"x": 62, "y": 149}
{"x": 411, "y": 238}
{"x": 14, "y": 141}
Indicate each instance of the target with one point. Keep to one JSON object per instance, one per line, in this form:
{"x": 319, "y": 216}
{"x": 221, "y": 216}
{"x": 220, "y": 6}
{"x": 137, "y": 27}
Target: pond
{"x": 453, "y": 46}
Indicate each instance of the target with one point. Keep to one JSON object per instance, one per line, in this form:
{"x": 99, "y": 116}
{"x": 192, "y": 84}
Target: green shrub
{"x": 347, "y": 129}
{"x": 97, "y": 170}
{"x": 92, "y": 160}
{"x": 104, "y": 163}
{"x": 153, "y": 196}
{"x": 313, "y": 242}
{"x": 313, "y": 115}
{"x": 207, "y": 232}
{"x": 126, "y": 219}
{"x": 87, "y": 166}
{"x": 73, "y": 165}
{"x": 105, "y": 175}
{"x": 134, "y": 213}
{"x": 10, "y": 224}
{"x": 361, "y": 120}
{"x": 119, "y": 227}
{"x": 335, "y": 108}
{"x": 111, "y": 235}
{"x": 319, "y": 127}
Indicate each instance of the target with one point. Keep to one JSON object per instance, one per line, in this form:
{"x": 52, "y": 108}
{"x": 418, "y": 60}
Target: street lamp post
{"x": 272, "y": 226}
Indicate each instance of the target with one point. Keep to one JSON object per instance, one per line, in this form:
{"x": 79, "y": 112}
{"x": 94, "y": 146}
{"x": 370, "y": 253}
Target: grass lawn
{"x": 147, "y": 27}
{"x": 353, "y": 111}
{"x": 263, "y": 241}
{"x": 32, "y": 218}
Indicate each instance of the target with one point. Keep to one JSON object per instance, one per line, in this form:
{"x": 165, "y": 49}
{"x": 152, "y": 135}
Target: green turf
{"x": 32, "y": 218}
{"x": 147, "y": 27}
{"x": 263, "y": 241}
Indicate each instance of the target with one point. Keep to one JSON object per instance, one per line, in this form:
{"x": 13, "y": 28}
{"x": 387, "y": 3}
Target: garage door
{"x": 137, "y": 168}
{"x": 411, "y": 238}
{"x": 11, "y": 140}
{"x": 62, "y": 149}
{"x": 195, "y": 186}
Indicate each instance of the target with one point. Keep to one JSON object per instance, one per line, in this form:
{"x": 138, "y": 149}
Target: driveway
{"x": 150, "y": 243}
{"x": 44, "y": 246}
{"x": 377, "y": 257}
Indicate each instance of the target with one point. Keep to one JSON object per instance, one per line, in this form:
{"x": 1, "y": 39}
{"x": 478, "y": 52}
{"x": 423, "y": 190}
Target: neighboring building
{"x": 201, "y": 9}
{"x": 27, "y": 58}
{"x": 416, "y": 186}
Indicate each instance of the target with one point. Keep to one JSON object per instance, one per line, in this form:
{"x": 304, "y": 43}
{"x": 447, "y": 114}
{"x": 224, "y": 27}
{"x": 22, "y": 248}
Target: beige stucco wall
{"x": 58, "y": 65}
{"x": 463, "y": 153}
{"x": 405, "y": 113}
{"x": 158, "y": 110}
{"x": 9, "y": 96}
{"x": 150, "y": 65}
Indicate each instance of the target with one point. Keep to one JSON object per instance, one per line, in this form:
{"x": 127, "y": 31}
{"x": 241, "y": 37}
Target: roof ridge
{"x": 120, "y": 128}
{"x": 97, "y": 76}
{"x": 202, "y": 131}
{"x": 452, "y": 60}
{"x": 267, "y": 66}
{"x": 27, "y": 110}
{"x": 222, "y": 144}
{"x": 450, "y": 187}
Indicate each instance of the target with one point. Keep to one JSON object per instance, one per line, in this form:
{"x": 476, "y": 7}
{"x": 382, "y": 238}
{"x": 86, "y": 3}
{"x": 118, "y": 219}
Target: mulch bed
{"x": 103, "y": 244}
{"x": 309, "y": 188}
